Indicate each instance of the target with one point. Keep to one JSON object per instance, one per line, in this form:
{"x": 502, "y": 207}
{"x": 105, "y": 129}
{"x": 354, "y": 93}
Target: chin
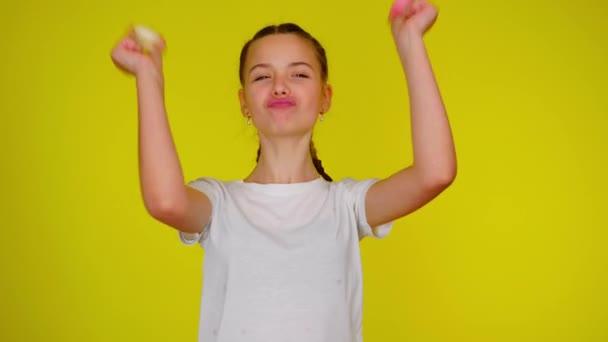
{"x": 285, "y": 129}
{"x": 285, "y": 123}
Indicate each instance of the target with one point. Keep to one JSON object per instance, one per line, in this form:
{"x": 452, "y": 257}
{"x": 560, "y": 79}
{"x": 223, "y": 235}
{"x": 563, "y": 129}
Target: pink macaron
{"x": 398, "y": 7}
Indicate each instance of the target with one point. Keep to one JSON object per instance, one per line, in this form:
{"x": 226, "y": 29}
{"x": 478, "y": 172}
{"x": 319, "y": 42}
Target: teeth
{"x": 146, "y": 37}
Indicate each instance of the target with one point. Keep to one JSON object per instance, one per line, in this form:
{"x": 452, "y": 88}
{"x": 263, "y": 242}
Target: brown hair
{"x": 289, "y": 28}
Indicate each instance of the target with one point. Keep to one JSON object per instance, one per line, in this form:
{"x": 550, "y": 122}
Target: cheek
{"x": 313, "y": 96}
{"x": 255, "y": 99}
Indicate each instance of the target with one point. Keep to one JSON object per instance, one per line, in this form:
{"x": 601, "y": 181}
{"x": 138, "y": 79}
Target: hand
{"x": 131, "y": 58}
{"x": 411, "y": 19}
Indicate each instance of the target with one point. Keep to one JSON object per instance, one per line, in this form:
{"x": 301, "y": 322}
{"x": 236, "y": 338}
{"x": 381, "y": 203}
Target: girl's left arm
{"x": 434, "y": 160}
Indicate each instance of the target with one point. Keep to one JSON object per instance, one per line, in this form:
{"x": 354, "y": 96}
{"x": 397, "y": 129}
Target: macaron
{"x": 146, "y": 37}
{"x": 398, "y": 7}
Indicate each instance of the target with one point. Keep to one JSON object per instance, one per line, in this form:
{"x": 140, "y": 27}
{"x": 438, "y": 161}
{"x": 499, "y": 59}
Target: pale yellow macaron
{"x": 146, "y": 37}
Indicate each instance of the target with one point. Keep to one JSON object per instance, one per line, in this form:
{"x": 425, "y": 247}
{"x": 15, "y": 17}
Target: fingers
{"x": 161, "y": 45}
{"x": 125, "y": 54}
{"x": 130, "y": 44}
{"x": 156, "y": 51}
{"x": 156, "y": 55}
{"x": 400, "y": 7}
{"x": 412, "y": 9}
{"x": 120, "y": 58}
{"x": 430, "y": 11}
{"x": 137, "y": 50}
{"x": 404, "y": 9}
{"x": 417, "y": 7}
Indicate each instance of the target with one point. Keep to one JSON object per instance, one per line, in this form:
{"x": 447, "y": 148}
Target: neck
{"x": 285, "y": 161}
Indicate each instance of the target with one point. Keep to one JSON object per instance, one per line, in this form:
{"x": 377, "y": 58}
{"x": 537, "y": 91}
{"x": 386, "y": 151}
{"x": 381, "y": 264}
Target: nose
{"x": 280, "y": 87}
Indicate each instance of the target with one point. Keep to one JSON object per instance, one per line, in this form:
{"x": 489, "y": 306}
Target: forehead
{"x": 279, "y": 48}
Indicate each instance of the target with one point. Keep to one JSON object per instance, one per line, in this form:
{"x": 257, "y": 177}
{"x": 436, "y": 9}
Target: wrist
{"x": 408, "y": 42}
{"x": 150, "y": 74}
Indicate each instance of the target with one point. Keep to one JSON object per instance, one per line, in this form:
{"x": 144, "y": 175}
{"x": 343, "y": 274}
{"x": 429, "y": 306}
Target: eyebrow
{"x": 266, "y": 65}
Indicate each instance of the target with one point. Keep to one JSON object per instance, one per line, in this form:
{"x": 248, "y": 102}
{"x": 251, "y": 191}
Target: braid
{"x": 317, "y": 163}
{"x": 315, "y": 160}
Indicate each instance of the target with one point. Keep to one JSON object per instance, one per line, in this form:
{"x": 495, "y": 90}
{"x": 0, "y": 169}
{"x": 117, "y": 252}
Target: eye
{"x": 259, "y": 78}
{"x": 301, "y": 75}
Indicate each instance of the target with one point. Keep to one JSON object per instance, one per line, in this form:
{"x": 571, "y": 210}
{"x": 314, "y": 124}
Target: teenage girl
{"x": 282, "y": 259}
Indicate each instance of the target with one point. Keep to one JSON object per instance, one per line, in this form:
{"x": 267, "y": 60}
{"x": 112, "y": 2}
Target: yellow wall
{"x": 515, "y": 250}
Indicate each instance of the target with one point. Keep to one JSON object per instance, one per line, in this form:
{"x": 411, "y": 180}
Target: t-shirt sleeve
{"x": 213, "y": 190}
{"x": 358, "y": 192}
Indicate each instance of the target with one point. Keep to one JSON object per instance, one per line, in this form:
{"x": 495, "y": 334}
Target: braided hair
{"x": 315, "y": 160}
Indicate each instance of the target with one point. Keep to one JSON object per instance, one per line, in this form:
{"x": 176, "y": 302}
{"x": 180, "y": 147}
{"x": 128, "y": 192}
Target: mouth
{"x": 281, "y": 103}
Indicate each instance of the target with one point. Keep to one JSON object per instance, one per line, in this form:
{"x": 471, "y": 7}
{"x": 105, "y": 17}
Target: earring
{"x": 322, "y": 117}
{"x": 249, "y": 120}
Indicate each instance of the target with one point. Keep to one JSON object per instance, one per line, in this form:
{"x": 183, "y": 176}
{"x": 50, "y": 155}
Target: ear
{"x": 328, "y": 93}
{"x": 243, "y": 103}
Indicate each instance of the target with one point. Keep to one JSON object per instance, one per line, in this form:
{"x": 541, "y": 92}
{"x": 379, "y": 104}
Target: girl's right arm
{"x": 166, "y": 196}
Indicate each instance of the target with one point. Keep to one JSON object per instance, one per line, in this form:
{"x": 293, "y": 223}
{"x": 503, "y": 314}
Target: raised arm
{"x": 165, "y": 195}
{"x": 434, "y": 165}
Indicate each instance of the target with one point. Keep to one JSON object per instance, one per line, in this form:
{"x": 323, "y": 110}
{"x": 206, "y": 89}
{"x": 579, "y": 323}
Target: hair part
{"x": 290, "y": 28}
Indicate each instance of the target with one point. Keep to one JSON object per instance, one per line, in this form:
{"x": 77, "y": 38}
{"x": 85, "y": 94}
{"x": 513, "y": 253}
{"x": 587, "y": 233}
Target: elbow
{"x": 164, "y": 210}
{"x": 448, "y": 177}
{"x": 439, "y": 181}
{"x": 437, "y": 174}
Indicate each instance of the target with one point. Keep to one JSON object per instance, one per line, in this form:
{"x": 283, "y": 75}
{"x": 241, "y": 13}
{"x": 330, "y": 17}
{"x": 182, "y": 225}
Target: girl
{"x": 282, "y": 245}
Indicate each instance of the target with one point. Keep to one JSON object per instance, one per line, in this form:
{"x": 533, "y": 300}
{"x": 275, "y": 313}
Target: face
{"x": 283, "y": 91}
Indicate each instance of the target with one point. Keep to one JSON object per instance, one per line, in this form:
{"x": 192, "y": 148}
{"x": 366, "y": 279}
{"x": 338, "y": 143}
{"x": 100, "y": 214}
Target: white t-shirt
{"x": 282, "y": 261}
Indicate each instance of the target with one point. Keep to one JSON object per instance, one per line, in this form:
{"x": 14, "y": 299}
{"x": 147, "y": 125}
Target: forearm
{"x": 161, "y": 178}
{"x": 433, "y": 146}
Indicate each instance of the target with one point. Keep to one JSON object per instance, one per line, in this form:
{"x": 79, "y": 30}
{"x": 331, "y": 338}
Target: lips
{"x": 281, "y": 103}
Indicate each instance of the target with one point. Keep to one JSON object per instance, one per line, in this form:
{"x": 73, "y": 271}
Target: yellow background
{"x": 515, "y": 250}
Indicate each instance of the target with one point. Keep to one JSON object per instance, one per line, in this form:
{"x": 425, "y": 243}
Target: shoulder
{"x": 352, "y": 190}
{"x": 213, "y": 187}
{"x": 212, "y": 181}
{"x": 353, "y": 186}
